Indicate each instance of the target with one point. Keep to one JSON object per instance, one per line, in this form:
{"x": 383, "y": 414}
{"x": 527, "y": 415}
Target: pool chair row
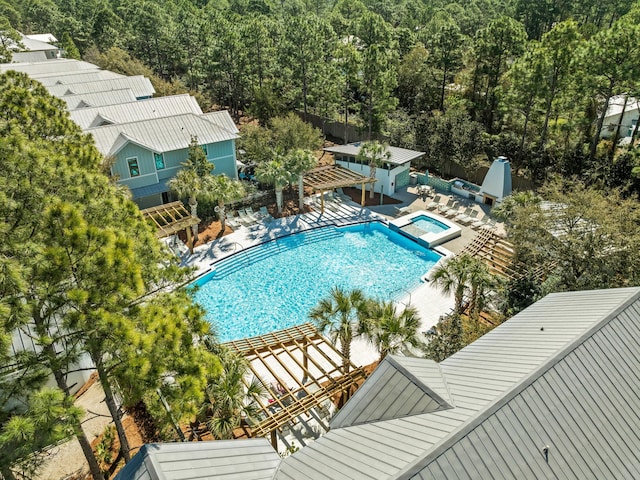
{"x": 246, "y": 217}
{"x": 459, "y": 213}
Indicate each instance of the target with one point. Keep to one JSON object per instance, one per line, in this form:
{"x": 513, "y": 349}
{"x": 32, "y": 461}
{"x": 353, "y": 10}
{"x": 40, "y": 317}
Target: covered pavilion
{"x": 329, "y": 177}
{"x": 170, "y": 219}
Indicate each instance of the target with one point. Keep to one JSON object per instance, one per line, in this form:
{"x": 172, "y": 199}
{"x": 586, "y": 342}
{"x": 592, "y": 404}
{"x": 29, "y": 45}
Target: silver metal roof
{"x": 252, "y": 459}
{"x": 394, "y": 391}
{"x": 34, "y": 45}
{"x": 138, "y": 84}
{"x": 37, "y": 56}
{"x": 50, "y": 66}
{"x": 160, "y": 134}
{"x": 49, "y": 79}
{"x": 564, "y": 373}
{"x": 223, "y": 119}
{"x": 398, "y": 155}
{"x": 136, "y": 111}
{"x": 87, "y": 100}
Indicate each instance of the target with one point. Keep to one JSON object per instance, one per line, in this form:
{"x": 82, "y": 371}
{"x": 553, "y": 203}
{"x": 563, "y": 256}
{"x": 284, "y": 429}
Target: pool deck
{"x": 429, "y": 301}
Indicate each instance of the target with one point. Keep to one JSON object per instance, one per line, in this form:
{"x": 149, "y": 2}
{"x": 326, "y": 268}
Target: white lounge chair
{"x": 469, "y": 218}
{"x": 464, "y": 214}
{"x": 232, "y": 220}
{"x": 266, "y": 216}
{"x": 245, "y": 219}
{"x": 435, "y": 203}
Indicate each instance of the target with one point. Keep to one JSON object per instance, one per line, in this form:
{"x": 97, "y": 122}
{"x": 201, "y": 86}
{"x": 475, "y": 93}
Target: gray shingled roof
{"x": 86, "y": 100}
{"x": 160, "y": 134}
{"x": 49, "y": 79}
{"x": 398, "y": 155}
{"x": 139, "y": 85}
{"x": 136, "y": 111}
{"x": 563, "y": 373}
{"x": 252, "y": 459}
{"x": 50, "y": 66}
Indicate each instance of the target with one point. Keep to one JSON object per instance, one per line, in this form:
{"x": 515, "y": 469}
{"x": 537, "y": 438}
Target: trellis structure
{"x": 330, "y": 177}
{"x": 170, "y": 219}
{"x": 300, "y": 370}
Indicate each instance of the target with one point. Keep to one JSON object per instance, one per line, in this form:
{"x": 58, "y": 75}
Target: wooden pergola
{"x": 305, "y": 372}
{"x": 330, "y": 177}
{"x": 170, "y": 219}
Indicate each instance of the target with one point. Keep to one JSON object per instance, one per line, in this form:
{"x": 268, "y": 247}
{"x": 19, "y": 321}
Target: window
{"x": 134, "y": 170}
{"x": 205, "y": 150}
{"x": 159, "y": 161}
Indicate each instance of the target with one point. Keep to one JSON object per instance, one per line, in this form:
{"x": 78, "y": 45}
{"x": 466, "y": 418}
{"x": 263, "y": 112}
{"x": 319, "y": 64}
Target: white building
{"x": 615, "y": 117}
{"x": 392, "y": 174}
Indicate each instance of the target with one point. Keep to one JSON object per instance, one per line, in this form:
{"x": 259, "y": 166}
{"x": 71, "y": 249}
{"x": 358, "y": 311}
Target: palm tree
{"x": 390, "y": 330}
{"x": 480, "y": 280}
{"x": 229, "y": 399}
{"x": 275, "y": 172}
{"x": 225, "y": 190}
{"x": 375, "y": 153}
{"x": 452, "y": 276}
{"x": 300, "y": 162}
{"x": 341, "y": 315}
{"x": 194, "y": 180}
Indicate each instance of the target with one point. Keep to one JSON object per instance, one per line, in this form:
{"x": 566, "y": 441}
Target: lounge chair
{"x": 232, "y": 220}
{"x": 446, "y": 207}
{"x": 266, "y": 216}
{"x": 255, "y": 215}
{"x": 245, "y": 219}
{"x": 469, "y": 218}
{"x": 435, "y": 203}
{"x": 480, "y": 222}
{"x": 464, "y": 214}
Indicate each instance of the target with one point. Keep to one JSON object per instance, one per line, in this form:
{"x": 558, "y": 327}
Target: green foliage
{"x": 374, "y": 153}
{"x": 445, "y": 338}
{"x": 48, "y": 417}
{"x": 392, "y": 330}
{"x": 588, "y": 238}
{"x": 69, "y": 47}
{"x": 291, "y": 133}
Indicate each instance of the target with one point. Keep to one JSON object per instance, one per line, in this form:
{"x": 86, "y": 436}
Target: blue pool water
{"x": 275, "y": 285}
{"x": 428, "y": 224}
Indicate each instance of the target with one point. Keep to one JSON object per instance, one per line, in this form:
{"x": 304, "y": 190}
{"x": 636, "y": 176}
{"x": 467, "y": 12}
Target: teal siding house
{"x": 148, "y": 153}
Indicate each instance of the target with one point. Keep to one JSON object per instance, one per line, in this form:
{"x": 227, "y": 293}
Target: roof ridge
{"x": 472, "y": 423}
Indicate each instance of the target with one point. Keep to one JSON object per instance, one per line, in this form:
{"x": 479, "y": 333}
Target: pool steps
{"x": 233, "y": 263}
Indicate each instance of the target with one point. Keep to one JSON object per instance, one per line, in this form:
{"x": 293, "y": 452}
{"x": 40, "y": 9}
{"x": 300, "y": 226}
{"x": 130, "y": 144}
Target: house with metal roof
{"x": 138, "y": 84}
{"x": 623, "y": 111}
{"x": 139, "y": 110}
{"x": 58, "y": 78}
{"x": 551, "y": 393}
{"x": 392, "y": 174}
{"x": 98, "y": 99}
{"x": 52, "y": 66}
{"x": 35, "y": 50}
{"x": 147, "y": 153}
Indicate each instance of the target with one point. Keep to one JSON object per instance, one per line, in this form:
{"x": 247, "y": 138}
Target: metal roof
{"x": 561, "y": 373}
{"x": 394, "y": 392}
{"x": 251, "y": 459}
{"x": 43, "y": 37}
{"x": 87, "y": 100}
{"x": 50, "y": 66}
{"x": 139, "y": 85}
{"x": 159, "y": 134}
{"x": 49, "y": 79}
{"x": 38, "y": 56}
{"x": 136, "y": 111}
{"x": 398, "y": 155}
{"x": 618, "y": 101}
{"x": 223, "y": 119}
{"x": 34, "y": 45}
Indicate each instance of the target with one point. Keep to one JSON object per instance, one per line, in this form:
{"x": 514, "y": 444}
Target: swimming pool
{"x": 274, "y": 285}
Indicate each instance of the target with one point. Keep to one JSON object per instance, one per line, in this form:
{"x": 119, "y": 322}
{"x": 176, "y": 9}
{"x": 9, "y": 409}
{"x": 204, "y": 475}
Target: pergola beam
{"x": 330, "y": 177}
{"x": 179, "y": 218}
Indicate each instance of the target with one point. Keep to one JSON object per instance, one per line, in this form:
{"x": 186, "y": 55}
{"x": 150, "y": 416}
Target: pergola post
{"x": 322, "y": 201}
{"x": 274, "y": 439}
{"x": 363, "y": 195}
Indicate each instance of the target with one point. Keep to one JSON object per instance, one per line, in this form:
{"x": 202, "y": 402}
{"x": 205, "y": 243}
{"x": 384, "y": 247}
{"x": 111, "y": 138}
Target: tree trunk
{"x": 444, "y": 84}
{"x": 596, "y": 137}
{"x": 301, "y": 192}
{"x": 61, "y": 381}
{"x": 113, "y": 409}
{"x": 193, "y": 203}
{"x": 221, "y": 214}
{"x": 279, "y": 199}
{"x": 345, "y": 348}
{"x": 616, "y": 136}
{"x": 372, "y": 174}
